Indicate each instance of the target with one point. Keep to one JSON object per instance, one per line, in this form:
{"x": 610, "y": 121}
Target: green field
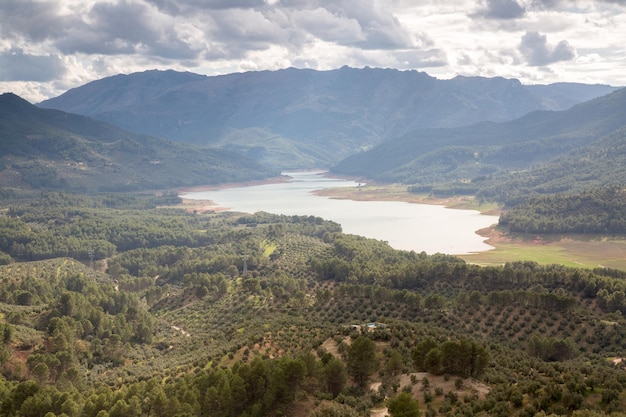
{"x": 576, "y": 251}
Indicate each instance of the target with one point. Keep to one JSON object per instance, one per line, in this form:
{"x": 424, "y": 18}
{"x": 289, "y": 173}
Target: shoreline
{"x": 398, "y": 192}
{"x": 366, "y": 190}
{"x": 580, "y": 251}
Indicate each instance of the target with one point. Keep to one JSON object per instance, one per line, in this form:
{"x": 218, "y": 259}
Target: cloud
{"x": 534, "y": 47}
{"x": 328, "y": 26}
{"x": 82, "y": 40}
{"x": 380, "y": 28}
{"x": 129, "y": 27}
{"x": 189, "y": 30}
{"x": 121, "y": 27}
{"x": 420, "y": 59}
{"x": 188, "y": 7}
{"x": 572, "y": 4}
{"x": 501, "y": 9}
{"x": 15, "y": 65}
{"x": 235, "y": 34}
{"x": 31, "y": 20}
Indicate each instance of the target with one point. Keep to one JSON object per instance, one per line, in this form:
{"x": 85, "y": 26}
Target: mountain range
{"x": 298, "y": 118}
{"x": 444, "y": 136}
{"x": 51, "y": 149}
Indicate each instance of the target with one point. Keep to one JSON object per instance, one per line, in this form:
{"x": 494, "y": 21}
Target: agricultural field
{"x": 290, "y": 317}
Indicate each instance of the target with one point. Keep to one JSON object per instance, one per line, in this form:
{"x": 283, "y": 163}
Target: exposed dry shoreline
{"x": 586, "y": 251}
{"x": 366, "y": 191}
{"x": 398, "y": 192}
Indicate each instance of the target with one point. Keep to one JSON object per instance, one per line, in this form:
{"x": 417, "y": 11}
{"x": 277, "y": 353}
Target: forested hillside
{"x": 601, "y": 211}
{"x": 602, "y": 163}
{"x": 50, "y": 149}
{"x": 541, "y": 153}
{"x": 132, "y": 310}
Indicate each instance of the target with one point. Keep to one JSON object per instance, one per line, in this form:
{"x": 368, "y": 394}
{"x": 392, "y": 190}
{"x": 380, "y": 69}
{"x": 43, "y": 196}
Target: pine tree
{"x": 362, "y": 359}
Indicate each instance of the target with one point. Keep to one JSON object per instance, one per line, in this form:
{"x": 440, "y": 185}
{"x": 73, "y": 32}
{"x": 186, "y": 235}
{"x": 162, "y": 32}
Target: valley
{"x": 119, "y": 298}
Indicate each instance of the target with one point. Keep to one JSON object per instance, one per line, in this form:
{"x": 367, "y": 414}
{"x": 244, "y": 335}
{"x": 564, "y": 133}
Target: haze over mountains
{"x": 51, "y": 149}
{"x": 488, "y": 136}
{"x": 542, "y": 152}
{"x": 297, "y": 118}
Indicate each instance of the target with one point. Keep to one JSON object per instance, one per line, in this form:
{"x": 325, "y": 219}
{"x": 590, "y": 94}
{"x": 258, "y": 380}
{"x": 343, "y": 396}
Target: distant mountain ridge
{"x": 51, "y": 149}
{"x": 298, "y": 118}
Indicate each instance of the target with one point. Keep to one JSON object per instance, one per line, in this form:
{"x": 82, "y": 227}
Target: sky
{"x": 50, "y": 46}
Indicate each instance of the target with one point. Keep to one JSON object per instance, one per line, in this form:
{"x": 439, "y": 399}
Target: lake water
{"x": 406, "y": 226}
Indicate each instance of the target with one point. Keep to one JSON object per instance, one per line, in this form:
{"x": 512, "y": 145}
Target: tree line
{"x": 463, "y": 357}
{"x": 601, "y": 210}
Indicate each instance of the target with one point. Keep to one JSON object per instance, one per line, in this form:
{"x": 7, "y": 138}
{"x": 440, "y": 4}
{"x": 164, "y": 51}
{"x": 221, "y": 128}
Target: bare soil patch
{"x": 399, "y": 192}
{"x": 470, "y": 386}
{"x": 331, "y": 347}
{"x": 367, "y": 193}
{"x": 200, "y": 206}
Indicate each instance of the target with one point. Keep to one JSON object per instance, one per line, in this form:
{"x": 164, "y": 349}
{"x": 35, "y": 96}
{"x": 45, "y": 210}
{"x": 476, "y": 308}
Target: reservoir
{"x": 406, "y": 226}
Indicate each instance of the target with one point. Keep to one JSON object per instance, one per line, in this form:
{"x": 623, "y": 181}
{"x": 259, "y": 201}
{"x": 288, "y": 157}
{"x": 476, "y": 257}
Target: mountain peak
{"x": 12, "y": 98}
{"x": 11, "y": 104}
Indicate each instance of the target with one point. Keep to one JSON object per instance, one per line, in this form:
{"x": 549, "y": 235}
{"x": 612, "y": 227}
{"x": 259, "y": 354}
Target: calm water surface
{"x": 407, "y": 226}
